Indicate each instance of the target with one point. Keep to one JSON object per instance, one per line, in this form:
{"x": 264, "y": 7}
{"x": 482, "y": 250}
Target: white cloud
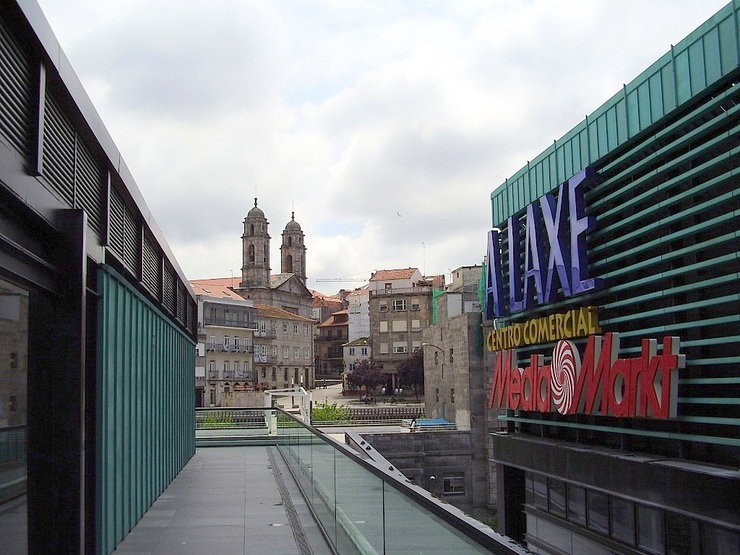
{"x": 349, "y": 113}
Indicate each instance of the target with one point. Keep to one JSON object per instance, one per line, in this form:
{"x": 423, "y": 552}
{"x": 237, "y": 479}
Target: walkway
{"x": 229, "y": 500}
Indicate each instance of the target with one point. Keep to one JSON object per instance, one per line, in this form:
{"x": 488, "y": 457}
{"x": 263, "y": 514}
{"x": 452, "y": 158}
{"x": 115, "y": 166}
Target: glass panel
{"x": 13, "y": 416}
{"x": 598, "y": 511}
{"x": 557, "y": 497}
{"x": 431, "y": 534}
{"x": 577, "y": 504}
{"x": 323, "y": 485}
{"x": 718, "y": 541}
{"x": 540, "y": 491}
{"x": 360, "y": 506}
{"x": 683, "y": 535}
{"x": 650, "y": 533}
{"x": 623, "y": 520}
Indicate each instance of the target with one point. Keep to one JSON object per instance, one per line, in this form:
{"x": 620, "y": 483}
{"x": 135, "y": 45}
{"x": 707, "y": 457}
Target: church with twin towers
{"x": 286, "y": 290}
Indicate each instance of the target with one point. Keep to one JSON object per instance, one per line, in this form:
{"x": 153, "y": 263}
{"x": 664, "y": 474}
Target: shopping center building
{"x": 613, "y": 318}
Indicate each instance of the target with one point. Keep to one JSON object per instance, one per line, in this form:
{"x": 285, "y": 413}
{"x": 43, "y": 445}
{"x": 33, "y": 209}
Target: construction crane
{"x": 342, "y": 280}
{"x": 346, "y": 279}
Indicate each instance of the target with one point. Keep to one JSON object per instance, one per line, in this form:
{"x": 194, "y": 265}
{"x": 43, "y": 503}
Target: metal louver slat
{"x": 59, "y": 149}
{"x": 15, "y": 92}
{"x": 150, "y": 267}
{"x": 89, "y": 187}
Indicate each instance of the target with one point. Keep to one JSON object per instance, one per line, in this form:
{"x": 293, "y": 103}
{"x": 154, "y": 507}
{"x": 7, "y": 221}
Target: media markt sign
{"x": 600, "y": 383}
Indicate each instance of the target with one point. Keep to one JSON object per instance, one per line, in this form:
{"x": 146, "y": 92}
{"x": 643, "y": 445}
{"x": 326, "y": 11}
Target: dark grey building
{"x": 97, "y": 322}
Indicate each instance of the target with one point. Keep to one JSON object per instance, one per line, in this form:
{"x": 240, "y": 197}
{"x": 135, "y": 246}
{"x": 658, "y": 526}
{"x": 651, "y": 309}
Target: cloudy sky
{"x": 384, "y": 124}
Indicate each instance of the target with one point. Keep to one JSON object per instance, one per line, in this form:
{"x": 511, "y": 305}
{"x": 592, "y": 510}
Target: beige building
{"x": 226, "y": 324}
{"x": 400, "y": 308}
{"x": 283, "y": 349}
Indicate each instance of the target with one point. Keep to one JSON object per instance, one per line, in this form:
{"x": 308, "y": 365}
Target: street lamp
{"x": 441, "y": 350}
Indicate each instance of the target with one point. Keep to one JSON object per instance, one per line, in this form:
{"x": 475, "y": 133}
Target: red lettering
{"x": 500, "y": 378}
{"x": 528, "y": 389}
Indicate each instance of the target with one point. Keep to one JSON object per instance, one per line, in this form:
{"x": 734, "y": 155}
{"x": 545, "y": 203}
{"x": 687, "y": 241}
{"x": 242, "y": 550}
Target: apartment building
{"x": 400, "y": 307}
{"x": 283, "y": 349}
{"x": 224, "y": 359}
{"x": 358, "y": 309}
{"x": 332, "y": 335}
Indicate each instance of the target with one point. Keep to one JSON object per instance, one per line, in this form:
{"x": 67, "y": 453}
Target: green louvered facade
{"x": 666, "y": 200}
{"x": 667, "y": 204}
{"x": 145, "y": 406}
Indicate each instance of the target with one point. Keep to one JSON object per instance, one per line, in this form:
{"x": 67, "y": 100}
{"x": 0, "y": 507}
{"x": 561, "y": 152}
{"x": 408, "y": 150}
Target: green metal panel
{"x": 145, "y": 406}
{"x": 698, "y": 62}
{"x": 667, "y": 246}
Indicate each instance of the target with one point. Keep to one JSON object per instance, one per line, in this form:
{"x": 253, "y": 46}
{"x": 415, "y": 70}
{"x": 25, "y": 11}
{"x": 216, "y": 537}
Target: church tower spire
{"x": 293, "y": 250}
{"x": 255, "y": 249}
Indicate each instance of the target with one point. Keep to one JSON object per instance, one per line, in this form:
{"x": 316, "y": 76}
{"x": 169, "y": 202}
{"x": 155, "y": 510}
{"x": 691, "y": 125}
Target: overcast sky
{"x": 384, "y": 124}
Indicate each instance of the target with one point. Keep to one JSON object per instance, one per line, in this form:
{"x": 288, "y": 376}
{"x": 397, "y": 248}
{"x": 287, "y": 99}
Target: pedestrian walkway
{"x": 229, "y": 500}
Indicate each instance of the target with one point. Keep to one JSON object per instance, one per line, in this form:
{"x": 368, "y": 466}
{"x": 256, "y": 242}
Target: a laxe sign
{"x": 554, "y": 249}
{"x": 599, "y": 383}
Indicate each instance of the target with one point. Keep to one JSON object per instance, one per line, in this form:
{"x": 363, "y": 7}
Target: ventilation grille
{"x": 15, "y": 93}
{"x": 59, "y": 152}
{"x": 150, "y": 267}
{"x": 169, "y": 289}
{"x": 89, "y": 188}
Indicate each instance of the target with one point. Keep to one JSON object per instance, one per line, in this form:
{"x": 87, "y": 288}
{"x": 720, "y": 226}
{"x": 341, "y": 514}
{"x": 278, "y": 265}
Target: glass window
{"x": 286, "y": 352}
{"x": 623, "y": 520}
{"x": 577, "y": 504}
{"x": 296, "y": 352}
{"x": 295, "y": 329}
{"x": 557, "y": 497}
{"x": 14, "y": 345}
{"x": 351, "y": 351}
{"x": 682, "y": 534}
{"x": 597, "y": 511}
{"x": 363, "y": 351}
{"x": 650, "y": 533}
{"x": 285, "y": 327}
{"x": 452, "y": 395}
{"x": 718, "y": 541}
{"x": 453, "y": 485}
{"x": 539, "y": 486}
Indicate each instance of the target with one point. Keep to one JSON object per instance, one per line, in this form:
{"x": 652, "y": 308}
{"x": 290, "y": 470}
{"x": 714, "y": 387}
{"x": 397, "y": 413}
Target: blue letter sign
{"x": 550, "y": 235}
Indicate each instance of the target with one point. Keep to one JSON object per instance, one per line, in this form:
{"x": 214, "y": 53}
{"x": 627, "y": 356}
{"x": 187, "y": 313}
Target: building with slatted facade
{"x": 613, "y": 318}
{"x": 99, "y": 324}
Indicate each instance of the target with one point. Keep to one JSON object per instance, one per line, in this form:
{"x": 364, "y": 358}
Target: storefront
{"x": 613, "y": 318}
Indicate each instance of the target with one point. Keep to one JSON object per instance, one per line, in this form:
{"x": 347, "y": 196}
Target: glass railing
{"x": 364, "y": 508}
{"x": 363, "y": 504}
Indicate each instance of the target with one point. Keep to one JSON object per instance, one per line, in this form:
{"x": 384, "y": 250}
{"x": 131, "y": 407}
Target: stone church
{"x": 286, "y": 290}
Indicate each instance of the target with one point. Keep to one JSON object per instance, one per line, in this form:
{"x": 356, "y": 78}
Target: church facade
{"x": 286, "y": 290}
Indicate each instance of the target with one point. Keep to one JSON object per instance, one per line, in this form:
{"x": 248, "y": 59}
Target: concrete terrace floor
{"x": 229, "y": 500}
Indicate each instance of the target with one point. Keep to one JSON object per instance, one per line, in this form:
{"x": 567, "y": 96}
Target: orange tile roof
{"x": 217, "y": 288}
{"x": 389, "y": 275}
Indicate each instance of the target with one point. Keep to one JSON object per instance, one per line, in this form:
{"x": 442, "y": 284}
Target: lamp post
{"x": 441, "y": 350}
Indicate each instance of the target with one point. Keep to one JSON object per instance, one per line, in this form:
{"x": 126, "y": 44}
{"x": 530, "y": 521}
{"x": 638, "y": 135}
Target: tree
{"x": 367, "y": 374}
{"x": 411, "y": 372}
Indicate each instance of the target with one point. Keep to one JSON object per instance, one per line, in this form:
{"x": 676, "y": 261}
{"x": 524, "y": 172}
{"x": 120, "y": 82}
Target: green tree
{"x": 367, "y": 374}
{"x": 411, "y": 372}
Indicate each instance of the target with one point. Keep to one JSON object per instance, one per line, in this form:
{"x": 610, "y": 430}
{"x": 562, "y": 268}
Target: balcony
{"x": 423, "y": 290}
{"x": 262, "y": 481}
{"x": 221, "y": 348}
{"x": 210, "y": 321}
